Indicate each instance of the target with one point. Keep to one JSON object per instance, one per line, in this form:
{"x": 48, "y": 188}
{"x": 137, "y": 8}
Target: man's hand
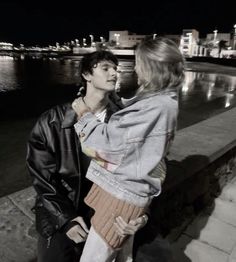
{"x": 78, "y": 233}
{"x": 123, "y": 228}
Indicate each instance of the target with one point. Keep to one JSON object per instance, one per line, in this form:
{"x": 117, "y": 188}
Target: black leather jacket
{"x": 58, "y": 168}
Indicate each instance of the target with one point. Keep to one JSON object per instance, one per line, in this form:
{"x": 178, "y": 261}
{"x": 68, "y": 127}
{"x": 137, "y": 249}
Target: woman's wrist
{"x": 84, "y": 110}
{"x": 82, "y": 113}
{"x": 80, "y": 107}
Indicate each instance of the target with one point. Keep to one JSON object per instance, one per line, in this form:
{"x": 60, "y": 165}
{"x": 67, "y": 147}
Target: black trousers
{"x": 60, "y": 249}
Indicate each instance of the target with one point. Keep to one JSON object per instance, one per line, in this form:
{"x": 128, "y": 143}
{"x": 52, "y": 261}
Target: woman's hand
{"x": 80, "y": 107}
{"x": 123, "y": 228}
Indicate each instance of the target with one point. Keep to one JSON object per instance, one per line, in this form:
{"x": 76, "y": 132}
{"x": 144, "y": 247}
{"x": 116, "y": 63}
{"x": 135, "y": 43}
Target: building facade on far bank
{"x": 125, "y": 39}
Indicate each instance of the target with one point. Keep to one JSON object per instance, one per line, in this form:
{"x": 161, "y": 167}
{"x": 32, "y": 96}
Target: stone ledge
{"x": 199, "y": 145}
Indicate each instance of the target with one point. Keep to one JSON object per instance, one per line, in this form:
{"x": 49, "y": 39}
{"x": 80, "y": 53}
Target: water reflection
{"x": 229, "y": 99}
{"x": 8, "y": 74}
{"x": 208, "y": 87}
{"x": 55, "y": 80}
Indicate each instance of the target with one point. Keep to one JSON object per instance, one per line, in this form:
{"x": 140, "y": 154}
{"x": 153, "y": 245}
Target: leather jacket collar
{"x": 70, "y": 117}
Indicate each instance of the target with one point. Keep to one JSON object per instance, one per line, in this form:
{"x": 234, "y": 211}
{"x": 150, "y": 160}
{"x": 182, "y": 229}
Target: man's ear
{"x": 87, "y": 76}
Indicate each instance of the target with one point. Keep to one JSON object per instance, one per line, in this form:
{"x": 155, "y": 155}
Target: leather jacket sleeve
{"x": 42, "y": 165}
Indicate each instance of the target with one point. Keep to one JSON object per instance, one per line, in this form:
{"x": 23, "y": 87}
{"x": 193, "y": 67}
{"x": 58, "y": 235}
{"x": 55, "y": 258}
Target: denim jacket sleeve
{"x": 139, "y": 126}
{"x": 101, "y": 141}
{"x": 108, "y": 141}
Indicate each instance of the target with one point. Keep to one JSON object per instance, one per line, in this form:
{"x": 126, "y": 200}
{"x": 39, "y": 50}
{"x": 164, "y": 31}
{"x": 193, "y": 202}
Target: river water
{"x": 30, "y": 86}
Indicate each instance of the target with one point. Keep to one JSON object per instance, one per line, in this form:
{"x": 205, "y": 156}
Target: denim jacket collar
{"x": 70, "y": 116}
{"x": 139, "y": 96}
{"x": 142, "y": 95}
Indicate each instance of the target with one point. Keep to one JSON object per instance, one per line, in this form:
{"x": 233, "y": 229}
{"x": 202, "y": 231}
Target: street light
{"x": 102, "y": 40}
{"x": 215, "y": 35}
{"x": 84, "y": 42}
{"x": 92, "y": 39}
{"x": 234, "y": 39}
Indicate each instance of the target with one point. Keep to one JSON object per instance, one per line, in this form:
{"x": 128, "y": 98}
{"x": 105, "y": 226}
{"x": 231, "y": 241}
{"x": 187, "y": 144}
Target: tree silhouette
{"x": 222, "y": 46}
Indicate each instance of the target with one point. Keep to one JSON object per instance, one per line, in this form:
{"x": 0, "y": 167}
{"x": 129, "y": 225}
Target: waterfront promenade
{"x": 209, "y": 236}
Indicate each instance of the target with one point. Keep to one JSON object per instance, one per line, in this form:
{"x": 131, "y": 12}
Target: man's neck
{"x": 96, "y": 101}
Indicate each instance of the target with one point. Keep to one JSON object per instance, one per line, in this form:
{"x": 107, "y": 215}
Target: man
{"x": 58, "y": 167}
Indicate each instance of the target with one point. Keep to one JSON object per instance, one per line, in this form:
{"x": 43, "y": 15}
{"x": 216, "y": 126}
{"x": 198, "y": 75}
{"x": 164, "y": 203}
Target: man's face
{"x": 104, "y": 76}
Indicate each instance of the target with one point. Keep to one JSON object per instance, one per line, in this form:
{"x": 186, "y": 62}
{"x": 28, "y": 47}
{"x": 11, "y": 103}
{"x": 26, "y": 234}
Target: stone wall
{"x": 200, "y": 163}
{"x": 178, "y": 205}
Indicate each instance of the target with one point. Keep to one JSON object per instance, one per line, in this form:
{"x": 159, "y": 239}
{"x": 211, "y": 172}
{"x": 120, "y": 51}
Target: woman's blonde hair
{"x": 159, "y": 64}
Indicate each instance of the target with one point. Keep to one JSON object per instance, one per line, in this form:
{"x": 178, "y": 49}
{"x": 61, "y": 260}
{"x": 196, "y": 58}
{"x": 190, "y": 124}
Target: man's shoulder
{"x": 55, "y": 113}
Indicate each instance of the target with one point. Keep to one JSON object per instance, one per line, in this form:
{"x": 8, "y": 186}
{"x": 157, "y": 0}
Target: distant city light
{"x": 84, "y": 42}
{"x": 92, "y": 40}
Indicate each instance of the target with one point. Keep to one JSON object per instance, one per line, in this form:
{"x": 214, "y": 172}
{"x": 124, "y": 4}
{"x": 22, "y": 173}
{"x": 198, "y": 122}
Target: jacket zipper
{"x": 49, "y": 241}
{"x": 78, "y": 150}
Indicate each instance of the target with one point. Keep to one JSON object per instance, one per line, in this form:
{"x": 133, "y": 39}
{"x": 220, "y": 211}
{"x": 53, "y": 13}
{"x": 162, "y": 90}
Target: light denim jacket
{"x": 128, "y": 152}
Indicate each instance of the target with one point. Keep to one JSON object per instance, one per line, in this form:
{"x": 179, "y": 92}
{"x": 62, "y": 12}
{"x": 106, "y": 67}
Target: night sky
{"x": 45, "y": 22}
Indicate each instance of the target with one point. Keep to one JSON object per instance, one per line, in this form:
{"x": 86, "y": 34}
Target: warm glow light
{"x": 228, "y": 99}
{"x": 185, "y": 88}
{"x": 209, "y": 93}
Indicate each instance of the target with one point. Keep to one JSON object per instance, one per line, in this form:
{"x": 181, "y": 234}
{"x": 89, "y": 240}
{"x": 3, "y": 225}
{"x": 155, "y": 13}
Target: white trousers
{"x": 97, "y": 250}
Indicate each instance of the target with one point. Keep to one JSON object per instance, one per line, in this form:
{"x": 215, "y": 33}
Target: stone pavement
{"x": 17, "y": 231}
{"x": 211, "y": 237}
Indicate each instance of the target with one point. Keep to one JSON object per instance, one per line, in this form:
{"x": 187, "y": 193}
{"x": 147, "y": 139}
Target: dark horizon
{"x": 48, "y": 22}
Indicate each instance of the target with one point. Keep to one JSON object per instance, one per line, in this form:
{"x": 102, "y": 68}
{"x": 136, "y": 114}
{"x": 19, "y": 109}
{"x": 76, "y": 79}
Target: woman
{"x": 128, "y": 152}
